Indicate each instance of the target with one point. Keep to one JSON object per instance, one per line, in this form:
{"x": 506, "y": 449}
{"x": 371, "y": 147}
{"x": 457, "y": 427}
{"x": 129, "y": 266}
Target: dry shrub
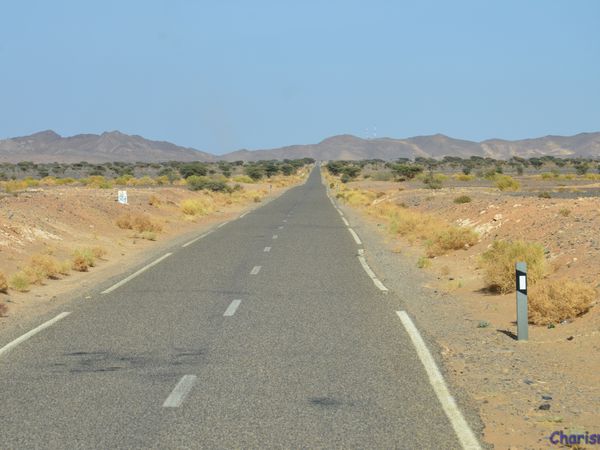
{"x": 3, "y": 309}
{"x": 452, "y": 238}
{"x": 137, "y": 222}
{"x": 257, "y": 199}
{"x": 558, "y": 300}
{"x": 83, "y": 259}
{"x": 154, "y": 200}
{"x": 463, "y": 177}
{"x": 3, "y": 283}
{"x": 506, "y": 183}
{"x": 196, "y": 206}
{"x": 19, "y": 282}
{"x": 65, "y": 267}
{"x": 43, "y": 266}
{"x": 564, "y": 212}
{"x": 462, "y": 199}
{"x": 98, "y": 252}
{"x": 499, "y": 264}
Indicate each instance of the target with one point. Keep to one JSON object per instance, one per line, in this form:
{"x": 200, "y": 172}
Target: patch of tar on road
{"x": 325, "y": 402}
{"x": 107, "y": 361}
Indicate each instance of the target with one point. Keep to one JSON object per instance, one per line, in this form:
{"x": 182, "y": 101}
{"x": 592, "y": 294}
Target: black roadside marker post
{"x": 522, "y": 319}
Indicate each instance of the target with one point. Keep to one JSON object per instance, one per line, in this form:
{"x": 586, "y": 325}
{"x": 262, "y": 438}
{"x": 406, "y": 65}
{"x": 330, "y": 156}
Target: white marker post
{"x": 122, "y": 197}
{"x": 522, "y": 317}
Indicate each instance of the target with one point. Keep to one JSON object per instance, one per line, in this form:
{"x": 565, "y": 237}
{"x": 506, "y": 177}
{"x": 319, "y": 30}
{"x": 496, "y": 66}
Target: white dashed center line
{"x": 255, "y": 270}
{"x": 181, "y": 391}
{"x": 230, "y": 311}
{"x": 275, "y": 236}
{"x": 267, "y": 249}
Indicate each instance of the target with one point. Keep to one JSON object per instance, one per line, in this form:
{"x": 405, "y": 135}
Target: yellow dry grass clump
{"x": 506, "y": 183}
{"x": 138, "y": 222}
{"x": 19, "y": 282}
{"x": 84, "y": 258}
{"x": 557, "y": 300}
{"x": 499, "y": 264}
{"x": 197, "y": 206}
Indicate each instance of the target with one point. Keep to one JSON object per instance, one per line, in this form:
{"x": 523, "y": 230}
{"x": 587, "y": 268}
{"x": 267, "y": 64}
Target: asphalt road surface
{"x": 266, "y": 333}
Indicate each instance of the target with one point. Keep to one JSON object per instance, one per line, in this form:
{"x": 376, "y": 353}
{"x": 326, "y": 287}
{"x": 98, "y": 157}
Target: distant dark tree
{"x": 406, "y": 171}
{"x": 351, "y": 171}
{"x": 536, "y": 162}
{"x": 582, "y": 168}
{"x": 194, "y": 168}
{"x": 287, "y": 169}
{"x": 270, "y": 168}
{"x": 254, "y": 172}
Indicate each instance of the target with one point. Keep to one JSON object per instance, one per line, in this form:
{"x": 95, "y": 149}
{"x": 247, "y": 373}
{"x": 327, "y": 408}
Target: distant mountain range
{"x": 48, "y": 146}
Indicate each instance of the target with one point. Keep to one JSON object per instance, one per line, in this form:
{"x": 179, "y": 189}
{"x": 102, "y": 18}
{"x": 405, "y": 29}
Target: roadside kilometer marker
{"x": 230, "y": 311}
{"x": 133, "y": 275}
{"x": 31, "y": 333}
{"x": 464, "y": 433}
{"x": 180, "y": 392}
{"x": 255, "y": 270}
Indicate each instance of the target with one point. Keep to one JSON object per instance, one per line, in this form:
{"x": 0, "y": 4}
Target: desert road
{"x": 272, "y": 331}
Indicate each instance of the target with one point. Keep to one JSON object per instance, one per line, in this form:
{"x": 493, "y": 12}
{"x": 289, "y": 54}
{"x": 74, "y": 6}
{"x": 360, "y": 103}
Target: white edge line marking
{"x": 230, "y": 311}
{"x": 371, "y": 274}
{"x": 195, "y": 239}
{"x": 180, "y": 392}
{"x": 35, "y": 331}
{"x": 340, "y": 212}
{"x": 275, "y": 236}
{"x": 363, "y": 263}
{"x": 267, "y": 249}
{"x": 222, "y": 224}
{"x": 461, "y": 428}
{"x": 255, "y": 270}
{"x": 280, "y": 227}
{"x": 345, "y": 222}
{"x": 133, "y": 275}
{"x": 355, "y": 236}
{"x": 244, "y": 215}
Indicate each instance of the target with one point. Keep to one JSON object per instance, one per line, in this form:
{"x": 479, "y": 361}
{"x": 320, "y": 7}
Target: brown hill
{"x": 47, "y": 146}
{"x": 585, "y": 145}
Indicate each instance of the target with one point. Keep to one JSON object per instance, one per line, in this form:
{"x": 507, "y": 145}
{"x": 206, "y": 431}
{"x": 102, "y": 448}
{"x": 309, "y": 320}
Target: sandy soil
{"x": 510, "y": 380}
{"x": 58, "y": 220}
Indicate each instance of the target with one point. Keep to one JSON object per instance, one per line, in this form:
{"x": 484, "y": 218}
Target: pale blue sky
{"x": 224, "y": 75}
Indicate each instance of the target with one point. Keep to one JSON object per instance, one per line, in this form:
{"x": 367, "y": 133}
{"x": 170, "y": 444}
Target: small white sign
{"x": 522, "y": 282}
{"x": 122, "y": 197}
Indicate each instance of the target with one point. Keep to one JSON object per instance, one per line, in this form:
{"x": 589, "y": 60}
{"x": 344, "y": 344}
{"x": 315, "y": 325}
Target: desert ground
{"x": 57, "y": 240}
{"x": 523, "y": 389}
